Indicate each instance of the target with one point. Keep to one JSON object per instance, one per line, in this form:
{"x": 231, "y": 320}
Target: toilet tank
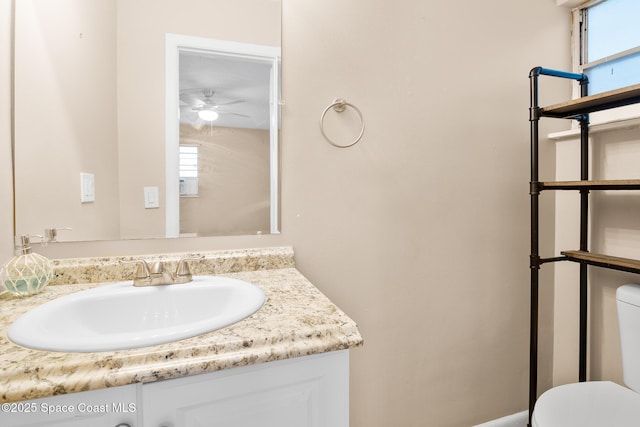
{"x": 628, "y": 302}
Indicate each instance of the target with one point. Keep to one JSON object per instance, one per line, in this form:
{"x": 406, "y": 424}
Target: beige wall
{"x": 233, "y": 182}
{"x": 6, "y": 181}
{"x": 421, "y": 231}
{"x": 66, "y": 121}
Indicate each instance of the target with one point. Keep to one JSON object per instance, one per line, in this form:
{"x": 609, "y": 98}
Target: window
{"x": 610, "y": 44}
{"x": 188, "y": 170}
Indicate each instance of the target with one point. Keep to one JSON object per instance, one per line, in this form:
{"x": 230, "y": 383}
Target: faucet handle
{"x": 182, "y": 269}
{"x": 142, "y": 270}
{"x": 183, "y": 272}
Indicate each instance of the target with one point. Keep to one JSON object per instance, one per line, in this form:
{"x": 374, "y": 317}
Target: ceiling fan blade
{"x": 190, "y": 98}
{"x": 203, "y": 107}
{"x": 234, "y": 114}
{"x": 230, "y": 102}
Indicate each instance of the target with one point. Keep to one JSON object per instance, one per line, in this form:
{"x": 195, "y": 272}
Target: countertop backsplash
{"x": 111, "y": 269}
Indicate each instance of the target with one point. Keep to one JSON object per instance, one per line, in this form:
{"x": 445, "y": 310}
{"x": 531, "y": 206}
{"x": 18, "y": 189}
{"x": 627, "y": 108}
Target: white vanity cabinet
{"x": 109, "y": 407}
{"x": 309, "y": 391}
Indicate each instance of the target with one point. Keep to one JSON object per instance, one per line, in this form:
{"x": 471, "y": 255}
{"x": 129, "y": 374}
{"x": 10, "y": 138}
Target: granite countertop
{"x": 296, "y": 320}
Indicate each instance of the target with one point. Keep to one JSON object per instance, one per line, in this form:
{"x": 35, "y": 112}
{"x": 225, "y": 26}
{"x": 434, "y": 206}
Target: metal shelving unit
{"x": 579, "y": 110}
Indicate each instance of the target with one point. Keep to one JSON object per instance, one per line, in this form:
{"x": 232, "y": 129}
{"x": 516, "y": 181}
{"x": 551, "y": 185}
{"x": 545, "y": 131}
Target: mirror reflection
{"x": 113, "y": 142}
{"x": 228, "y": 96}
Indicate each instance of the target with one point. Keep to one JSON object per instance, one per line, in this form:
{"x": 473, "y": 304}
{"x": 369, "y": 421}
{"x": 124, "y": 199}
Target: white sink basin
{"x": 121, "y": 316}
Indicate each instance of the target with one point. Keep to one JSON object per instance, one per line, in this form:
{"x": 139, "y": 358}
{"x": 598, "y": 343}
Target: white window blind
{"x": 188, "y": 170}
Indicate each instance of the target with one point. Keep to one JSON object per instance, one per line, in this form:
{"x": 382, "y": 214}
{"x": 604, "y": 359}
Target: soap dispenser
{"x": 27, "y": 273}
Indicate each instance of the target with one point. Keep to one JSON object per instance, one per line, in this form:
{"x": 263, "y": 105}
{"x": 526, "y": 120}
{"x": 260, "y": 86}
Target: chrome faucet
{"x": 157, "y": 275}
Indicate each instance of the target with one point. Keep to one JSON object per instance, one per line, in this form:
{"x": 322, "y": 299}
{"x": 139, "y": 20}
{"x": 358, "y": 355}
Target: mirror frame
{"x": 174, "y": 44}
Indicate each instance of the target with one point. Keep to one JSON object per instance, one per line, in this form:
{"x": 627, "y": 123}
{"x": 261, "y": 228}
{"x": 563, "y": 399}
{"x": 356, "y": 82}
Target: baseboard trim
{"x": 516, "y": 420}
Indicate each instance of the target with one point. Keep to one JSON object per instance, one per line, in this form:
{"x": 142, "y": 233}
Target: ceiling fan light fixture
{"x": 208, "y": 115}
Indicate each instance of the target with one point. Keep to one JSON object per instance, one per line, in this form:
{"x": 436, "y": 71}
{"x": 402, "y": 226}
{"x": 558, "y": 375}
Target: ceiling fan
{"x": 204, "y": 105}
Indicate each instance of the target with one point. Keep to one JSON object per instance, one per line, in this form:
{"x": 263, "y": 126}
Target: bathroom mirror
{"x": 104, "y": 122}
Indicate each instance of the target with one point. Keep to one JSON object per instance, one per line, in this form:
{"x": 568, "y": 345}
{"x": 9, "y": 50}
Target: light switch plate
{"x": 87, "y": 188}
{"x": 151, "y": 198}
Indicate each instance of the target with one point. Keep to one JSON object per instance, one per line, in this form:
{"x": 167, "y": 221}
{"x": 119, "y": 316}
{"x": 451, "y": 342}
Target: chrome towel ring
{"x": 339, "y": 105}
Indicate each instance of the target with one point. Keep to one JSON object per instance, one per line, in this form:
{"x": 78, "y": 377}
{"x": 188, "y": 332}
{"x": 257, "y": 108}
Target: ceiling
{"x": 237, "y": 88}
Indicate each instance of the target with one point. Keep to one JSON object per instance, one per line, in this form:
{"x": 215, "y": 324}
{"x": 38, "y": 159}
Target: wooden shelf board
{"x": 589, "y": 104}
{"x": 618, "y": 184}
{"x": 616, "y": 263}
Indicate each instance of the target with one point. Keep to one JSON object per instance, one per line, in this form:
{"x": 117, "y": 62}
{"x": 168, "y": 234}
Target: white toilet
{"x": 601, "y": 403}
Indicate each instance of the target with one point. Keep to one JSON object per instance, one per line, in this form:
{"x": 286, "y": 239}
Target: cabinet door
{"x": 108, "y": 407}
{"x": 311, "y": 391}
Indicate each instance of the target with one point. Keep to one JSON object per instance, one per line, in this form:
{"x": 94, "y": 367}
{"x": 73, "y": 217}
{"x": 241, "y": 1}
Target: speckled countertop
{"x": 296, "y": 320}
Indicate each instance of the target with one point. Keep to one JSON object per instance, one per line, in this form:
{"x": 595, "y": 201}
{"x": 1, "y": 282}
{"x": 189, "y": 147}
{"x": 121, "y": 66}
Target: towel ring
{"x": 339, "y": 105}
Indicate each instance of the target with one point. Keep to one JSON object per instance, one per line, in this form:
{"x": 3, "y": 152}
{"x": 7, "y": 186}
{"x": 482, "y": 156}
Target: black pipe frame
{"x": 534, "y": 259}
{"x": 575, "y": 110}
